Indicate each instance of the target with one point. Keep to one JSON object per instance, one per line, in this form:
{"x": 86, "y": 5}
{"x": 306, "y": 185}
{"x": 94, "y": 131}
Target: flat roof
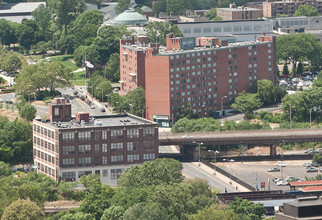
{"x": 307, "y": 201}
{"x": 312, "y": 189}
{"x": 240, "y": 9}
{"x": 307, "y": 183}
{"x": 100, "y": 121}
{"x": 270, "y": 203}
{"x": 20, "y": 7}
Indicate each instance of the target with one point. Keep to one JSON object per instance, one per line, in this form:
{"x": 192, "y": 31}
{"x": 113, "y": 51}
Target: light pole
{"x": 222, "y": 105}
{"x": 102, "y": 94}
{"x": 215, "y": 152}
{"x": 229, "y": 160}
{"x": 201, "y": 143}
{"x": 290, "y": 117}
{"x": 310, "y": 117}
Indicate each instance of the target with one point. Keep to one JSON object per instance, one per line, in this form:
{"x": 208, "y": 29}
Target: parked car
{"x": 92, "y": 106}
{"x": 102, "y": 109}
{"x": 315, "y": 164}
{"x": 311, "y": 170}
{"x": 306, "y": 164}
{"x": 274, "y": 169}
{"x": 275, "y": 180}
{"x": 281, "y": 164}
{"x": 282, "y": 183}
{"x": 290, "y": 179}
{"x": 320, "y": 170}
{"x": 75, "y": 92}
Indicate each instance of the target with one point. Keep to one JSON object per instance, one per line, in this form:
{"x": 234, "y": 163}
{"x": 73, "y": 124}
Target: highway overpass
{"x": 258, "y": 137}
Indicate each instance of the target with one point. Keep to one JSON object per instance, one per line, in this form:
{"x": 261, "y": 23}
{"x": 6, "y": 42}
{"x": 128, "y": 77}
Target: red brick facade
{"x": 202, "y": 75}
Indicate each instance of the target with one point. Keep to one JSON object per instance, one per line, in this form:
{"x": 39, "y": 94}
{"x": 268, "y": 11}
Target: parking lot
{"x": 254, "y": 173}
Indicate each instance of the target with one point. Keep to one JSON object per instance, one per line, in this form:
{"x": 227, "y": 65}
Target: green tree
{"x": 28, "y": 34}
{"x": 247, "y": 103}
{"x": 28, "y": 112}
{"x": 77, "y": 216}
{"x": 318, "y": 81}
{"x": 135, "y": 99}
{"x": 33, "y": 192}
{"x": 42, "y": 17}
{"x": 157, "y": 31}
{"x": 121, "y": 6}
{"x": 212, "y": 14}
{"x": 187, "y": 112}
{"x": 11, "y": 62}
{"x": 7, "y": 32}
{"x": 160, "y": 171}
{"x": 317, "y": 158}
{"x": 285, "y": 71}
{"x": 151, "y": 211}
{"x": 65, "y": 11}
{"x": 113, "y": 213}
{"x": 306, "y": 10}
{"x": 300, "y": 68}
{"x": 5, "y": 170}
{"x": 175, "y": 7}
{"x": 217, "y": 212}
{"x": 23, "y": 209}
{"x": 265, "y": 90}
{"x": 243, "y": 206}
{"x": 67, "y": 44}
{"x": 112, "y": 70}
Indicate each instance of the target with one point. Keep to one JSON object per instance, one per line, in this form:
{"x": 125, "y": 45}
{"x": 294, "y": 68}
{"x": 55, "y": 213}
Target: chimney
{"x": 82, "y": 116}
{"x": 59, "y": 110}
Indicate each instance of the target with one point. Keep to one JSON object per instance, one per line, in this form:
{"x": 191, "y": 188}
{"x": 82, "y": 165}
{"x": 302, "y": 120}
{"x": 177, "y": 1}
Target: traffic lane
{"x": 249, "y": 171}
{"x": 172, "y": 149}
{"x": 196, "y": 172}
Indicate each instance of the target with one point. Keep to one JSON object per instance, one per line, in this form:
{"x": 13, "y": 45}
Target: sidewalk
{"x": 221, "y": 177}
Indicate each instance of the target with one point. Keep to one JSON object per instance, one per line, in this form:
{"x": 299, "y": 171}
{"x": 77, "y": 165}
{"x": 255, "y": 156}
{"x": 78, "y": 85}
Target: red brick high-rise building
{"x": 201, "y": 71}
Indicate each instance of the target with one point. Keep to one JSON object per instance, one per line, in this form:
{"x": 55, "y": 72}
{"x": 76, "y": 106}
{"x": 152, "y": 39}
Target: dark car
{"x": 102, "y": 109}
{"x": 75, "y": 92}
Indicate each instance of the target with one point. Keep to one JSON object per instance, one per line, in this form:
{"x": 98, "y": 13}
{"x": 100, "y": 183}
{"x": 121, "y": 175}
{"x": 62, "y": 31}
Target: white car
{"x": 281, "y": 164}
{"x": 282, "y": 183}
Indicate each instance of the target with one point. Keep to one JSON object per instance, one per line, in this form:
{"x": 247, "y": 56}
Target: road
{"x": 192, "y": 171}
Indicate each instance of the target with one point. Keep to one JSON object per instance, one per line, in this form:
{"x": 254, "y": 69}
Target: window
{"x": 82, "y": 173}
{"x": 85, "y": 135}
{"x": 116, "y": 173}
{"x": 104, "y": 135}
{"x": 132, "y": 133}
{"x": 129, "y": 146}
{"x": 217, "y": 29}
{"x": 117, "y": 134}
{"x": 117, "y": 159}
{"x": 68, "y": 150}
{"x": 68, "y": 162}
{"x": 84, "y": 161}
{"x": 116, "y": 146}
{"x": 148, "y": 157}
{"x": 69, "y": 176}
{"x": 68, "y": 136}
{"x": 104, "y": 148}
{"x": 105, "y": 173}
{"x": 104, "y": 160}
{"x": 84, "y": 149}
{"x": 97, "y": 148}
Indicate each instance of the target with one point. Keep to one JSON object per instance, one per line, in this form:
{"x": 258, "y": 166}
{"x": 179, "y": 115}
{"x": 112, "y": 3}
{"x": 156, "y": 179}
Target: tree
{"x": 5, "y": 170}
{"x": 23, "y": 209}
{"x": 212, "y": 14}
{"x": 317, "y": 158}
{"x": 151, "y": 211}
{"x": 33, "y": 192}
{"x": 306, "y": 10}
{"x": 187, "y": 112}
{"x": 7, "y": 32}
{"x": 247, "y": 103}
{"x": 243, "y": 206}
{"x": 217, "y": 212}
{"x": 135, "y": 99}
{"x": 113, "y": 213}
{"x": 67, "y": 44}
{"x": 77, "y": 216}
{"x": 160, "y": 171}
{"x": 11, "y": 62}
{"x": 175, "y": 7}
{"x": 296, "y": 47}
{"x": 42, "y": 17}
{"x": 28, "y": 34}
{"x": 157, "y": 31}
{"x": 285, "y": 70}
{"x": 265, "y": 90}
{"x": 28, "y": 112}
{"x": 121, "y": 6}
{"x": 65, "y": 11}
{"x": 300, "y": 68}
{"x": 318, "y": 81}
{"x": 112, "y": 70}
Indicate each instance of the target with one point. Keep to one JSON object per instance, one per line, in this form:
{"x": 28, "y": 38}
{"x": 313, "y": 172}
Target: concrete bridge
{"x": 265, "y": 137}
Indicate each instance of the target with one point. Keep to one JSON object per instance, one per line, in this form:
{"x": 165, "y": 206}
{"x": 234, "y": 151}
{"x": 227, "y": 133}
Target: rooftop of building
{"x": 307, "y": 183}
{"x": 129, "y": 17}
{"x": 240, "y": 9}
{"x": 23, "y": 7}
{"x": 307, "y": 201}
{"x": 99, "y": 121}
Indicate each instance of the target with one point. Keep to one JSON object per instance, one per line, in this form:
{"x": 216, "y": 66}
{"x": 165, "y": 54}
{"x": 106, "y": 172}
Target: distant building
{"x": 288, "y": 7}
{"x": 240, "y": 13}
{"x": 303, "y": 208}
{"x": 200, "y": 71}
{"x": 17, "y": 12}
{"x": 68, "y": 147}
{"x": 129, "y": 17}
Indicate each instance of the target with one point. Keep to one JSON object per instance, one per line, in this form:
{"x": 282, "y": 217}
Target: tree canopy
{"x": 157, "y": 31}
{"x": 23, "y": 209}
{"x": 247, "y": 103}
{"x": 306, "y": 10}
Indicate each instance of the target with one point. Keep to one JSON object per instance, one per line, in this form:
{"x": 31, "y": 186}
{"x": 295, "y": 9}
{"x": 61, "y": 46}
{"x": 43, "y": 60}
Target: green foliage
{"x": 67, "y": 44}
{"x": 66, "y": 189}
{"x": 43, "y": 46}
{"x": 265, "y": 90}
{"x": 306, "y": 10}
{"x": 28, "y": 112}
{"x": 318, "y": 81}
{"x": 77, "y": 216}
{"x": 28, "y": 34}
{"x": 243, "y": 206}
{"x": 160, "y": 171}
{"x": 285, "y": 70}
{"x": 23, "y": 209}
{"x": 317, "y": 158}
{"x": 157, "y": 31}
{"x": 300, "y": 68}
{"x": 175, "y": 7}
{"x": 217, "y": 212}
{"x": 113, "y": 213}
{"x": 112, "y": 70}
{"x": 187, "y": 112}
{"x": 247, "y": 103}
{"x": 317, "y": 177}
{"x": 42, "y": 17}
{"x": 212, "y": 15}
{"x": 121, "y": 6}
{"x": 7, "y": 32}
{"x": 135, "y": 100}
{"x": 270, "y": 117}
{"x": 151, "y": 211}
{"x": 33, "y": 192}
{"x": 97, "y": 197}
{"x": 5, "y": 169}
{"x": 193, "y": 125}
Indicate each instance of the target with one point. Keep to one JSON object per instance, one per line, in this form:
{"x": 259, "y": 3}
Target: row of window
{"x": 44, "y": 131}
{"x": 43, "y": 168}
{"x": 45, "y": 144}
{"x": 47, "y": 157}
{"x": 239, "y": 28}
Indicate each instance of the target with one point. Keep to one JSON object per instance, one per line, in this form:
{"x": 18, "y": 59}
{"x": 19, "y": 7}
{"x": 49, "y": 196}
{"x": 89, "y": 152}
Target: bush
{"x": 41, "y": 95}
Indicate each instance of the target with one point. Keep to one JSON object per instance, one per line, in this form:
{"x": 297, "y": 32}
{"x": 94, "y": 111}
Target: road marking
{"x": 80, "y": 102}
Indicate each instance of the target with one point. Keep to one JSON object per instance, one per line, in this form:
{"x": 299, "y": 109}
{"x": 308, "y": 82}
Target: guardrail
{"x": 225, "y": 173}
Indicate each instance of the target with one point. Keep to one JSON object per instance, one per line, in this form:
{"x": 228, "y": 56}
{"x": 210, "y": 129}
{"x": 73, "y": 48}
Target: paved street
{"x": 192, "y": 170}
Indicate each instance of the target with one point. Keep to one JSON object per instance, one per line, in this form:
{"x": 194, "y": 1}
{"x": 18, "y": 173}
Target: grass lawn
{"x": 66, "y": 60}
{"x": 79, "y": 78}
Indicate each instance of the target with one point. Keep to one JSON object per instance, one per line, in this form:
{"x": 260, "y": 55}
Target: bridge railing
{"x": 225, "y": 173}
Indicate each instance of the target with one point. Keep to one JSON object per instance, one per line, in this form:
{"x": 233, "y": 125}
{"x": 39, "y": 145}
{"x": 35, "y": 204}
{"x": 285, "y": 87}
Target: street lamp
{"x": 229, "y": 160}
{"x": 201, "y": 143}
{"x": 222, "y": 104}
{"x": 310, "y": 117}
{"x": 102, "y": 93}
{"x": 290, "y": 117}
{"x": 215, "y": 152}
